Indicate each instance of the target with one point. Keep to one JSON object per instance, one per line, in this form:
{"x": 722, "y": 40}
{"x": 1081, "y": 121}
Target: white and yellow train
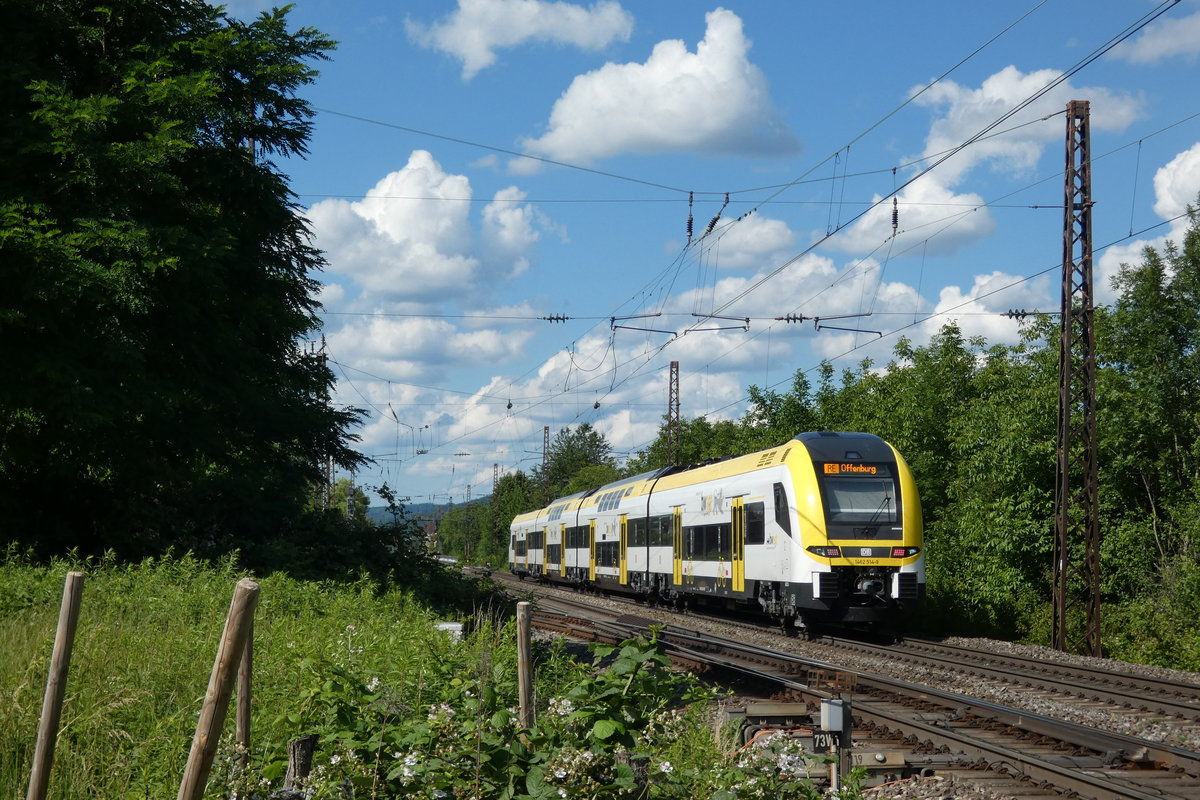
{"x": 822, "y": 530}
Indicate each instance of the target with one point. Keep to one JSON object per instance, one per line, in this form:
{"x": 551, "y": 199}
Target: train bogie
{"x": 824, "y": 529}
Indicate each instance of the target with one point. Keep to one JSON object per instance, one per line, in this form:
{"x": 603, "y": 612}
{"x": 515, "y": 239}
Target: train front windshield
{"x": 862, "y": 501}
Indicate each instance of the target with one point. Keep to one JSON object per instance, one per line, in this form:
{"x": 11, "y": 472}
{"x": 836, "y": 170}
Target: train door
{"x": 738, "y": 554}
{"x": 592, "y": 550}
{"x": 677, "y": 544}
{"x": 562, "y": 549}
{"x": 623, "y": 555}
{"x": 544, "y": 536}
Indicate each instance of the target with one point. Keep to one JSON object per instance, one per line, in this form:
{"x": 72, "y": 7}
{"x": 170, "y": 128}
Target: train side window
{"x": 782, "y": 518}
{"x": 637, "y": 532}
{"x": 661, "y": 528}
{"x": 755, "y": 523}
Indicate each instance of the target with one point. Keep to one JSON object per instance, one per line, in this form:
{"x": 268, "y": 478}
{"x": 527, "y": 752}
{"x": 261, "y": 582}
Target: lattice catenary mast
{"x": 1076, "y": 493}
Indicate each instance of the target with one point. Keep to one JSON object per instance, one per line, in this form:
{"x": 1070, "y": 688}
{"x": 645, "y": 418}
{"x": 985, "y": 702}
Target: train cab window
{"x": 755, "y": 523}
{"x": 782, "y": 517}
{"x": 862, "y": 505}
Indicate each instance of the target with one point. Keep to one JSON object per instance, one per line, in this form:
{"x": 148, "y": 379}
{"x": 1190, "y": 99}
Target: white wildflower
{"x": 665, "y": 767}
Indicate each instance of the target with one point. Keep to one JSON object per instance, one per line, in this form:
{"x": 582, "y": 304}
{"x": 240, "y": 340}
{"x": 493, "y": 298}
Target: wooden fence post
{"x": 524, "y": 666}
{"x": 56, "y": 686}
{"x": 220, "y": 687}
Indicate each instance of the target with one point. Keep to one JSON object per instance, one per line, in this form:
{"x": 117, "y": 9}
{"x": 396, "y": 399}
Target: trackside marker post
{"x": 238, "y": 625}
{"x": 56, "y": 687}
{"x": 834, "y": 737}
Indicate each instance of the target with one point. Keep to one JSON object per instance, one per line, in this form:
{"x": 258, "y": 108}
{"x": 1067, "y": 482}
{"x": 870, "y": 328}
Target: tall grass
{"x": 402, "y": 710}
{"x": 147, "y": 638}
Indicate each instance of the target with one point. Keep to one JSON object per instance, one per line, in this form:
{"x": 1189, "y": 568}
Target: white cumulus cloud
{"x": 411, "y": 237}
{"x": 713, "y": 101}
{"x": 926, "y": 210}
{"x": 509, "y": 230}
{"x": 408, "y": 237}
{"x": 477, "y": 28}
{"x": 931, "y": 208}
{"x": 1165, "y": 38}
{"x": 965, "y": 112}
{"x": 1176, "y": 184}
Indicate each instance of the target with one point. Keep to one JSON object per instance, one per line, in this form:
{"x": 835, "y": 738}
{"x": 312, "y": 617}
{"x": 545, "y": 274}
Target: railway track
{"x": 1019, "y": 753}
{"x": 1150, "y": 697}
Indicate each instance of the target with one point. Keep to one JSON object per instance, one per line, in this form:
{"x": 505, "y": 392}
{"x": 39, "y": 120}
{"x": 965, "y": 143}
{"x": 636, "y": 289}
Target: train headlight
{"x": 904, "y": 552}
{"x": 826, "y": 551}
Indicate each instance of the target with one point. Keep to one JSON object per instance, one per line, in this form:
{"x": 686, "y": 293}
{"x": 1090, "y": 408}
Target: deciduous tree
{"x": 158, "y": 280}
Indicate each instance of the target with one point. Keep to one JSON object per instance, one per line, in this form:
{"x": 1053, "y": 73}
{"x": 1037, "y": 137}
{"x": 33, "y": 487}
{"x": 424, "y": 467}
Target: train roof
{"x": 643, "y": 476}
{"x": 845, "y": 446}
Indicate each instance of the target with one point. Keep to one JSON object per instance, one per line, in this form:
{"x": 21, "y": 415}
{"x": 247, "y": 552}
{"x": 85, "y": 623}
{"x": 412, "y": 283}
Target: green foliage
{"x": 570, "y": 451}
{"x": 158, "y": 282}
{"x": 628, "y": 728}
{"x": 464, "y": 531}
{"x": 591, "y": 477}
{"x": 699, "y": 440}
{"x": 775, "y": 417}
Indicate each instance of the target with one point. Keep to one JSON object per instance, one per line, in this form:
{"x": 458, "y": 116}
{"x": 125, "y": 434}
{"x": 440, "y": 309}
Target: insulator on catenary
{"x": 895, "y": 216}
{"x": 713, "y": 224}
{"x": 689, "y": 224}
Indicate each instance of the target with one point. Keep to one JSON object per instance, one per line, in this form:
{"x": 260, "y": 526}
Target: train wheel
{"x": 797, "y": 627}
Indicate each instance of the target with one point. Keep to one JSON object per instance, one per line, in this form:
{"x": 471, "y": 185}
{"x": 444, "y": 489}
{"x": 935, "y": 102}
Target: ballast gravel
{"x": 1177, "y": 733}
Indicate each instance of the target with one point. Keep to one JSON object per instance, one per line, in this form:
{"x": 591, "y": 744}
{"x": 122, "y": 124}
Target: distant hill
{"x": 418, "y": 511}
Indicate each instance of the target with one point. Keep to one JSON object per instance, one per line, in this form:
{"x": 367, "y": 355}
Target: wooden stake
{"x": 245, "y": 679}
{"x": 56, "y": 687}
{"x": 220, "y": 687}
{"x": 524, "y": 666}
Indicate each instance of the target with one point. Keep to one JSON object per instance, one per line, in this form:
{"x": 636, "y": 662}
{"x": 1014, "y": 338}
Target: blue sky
{"x": 447, "y": 249}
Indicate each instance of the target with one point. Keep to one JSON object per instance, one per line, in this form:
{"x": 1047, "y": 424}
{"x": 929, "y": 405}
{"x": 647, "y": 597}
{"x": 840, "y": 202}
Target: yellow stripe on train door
{"x": 592, "y": 550}
{"x": 677, "y": 544}
{"x": 739, "y": 545}
{"x": 624, "y": 561}
{"x": 562, "y": 549}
